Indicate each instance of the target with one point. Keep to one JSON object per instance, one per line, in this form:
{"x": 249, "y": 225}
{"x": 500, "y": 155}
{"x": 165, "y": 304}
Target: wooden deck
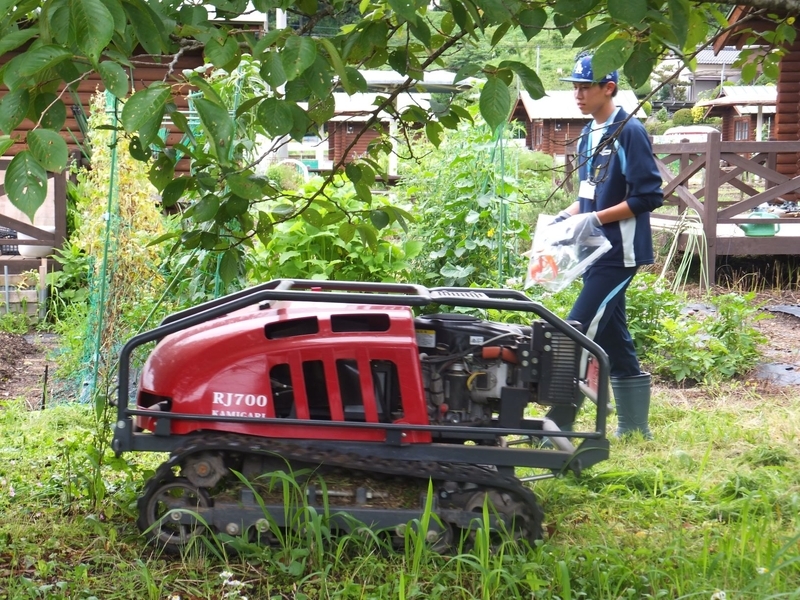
{"x": 747, "y": 167}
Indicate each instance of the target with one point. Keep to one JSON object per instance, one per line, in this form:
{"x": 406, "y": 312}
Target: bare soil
{"x": 27, "y": 367}
{"x": 27, "y": 364}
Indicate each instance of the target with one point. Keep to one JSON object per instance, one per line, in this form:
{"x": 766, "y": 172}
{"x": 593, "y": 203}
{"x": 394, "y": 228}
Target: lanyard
{"x": 594, "y": 151}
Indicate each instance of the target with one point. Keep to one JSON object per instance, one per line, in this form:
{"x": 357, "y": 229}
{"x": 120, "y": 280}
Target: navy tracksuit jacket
{"x": 623, "y": 168}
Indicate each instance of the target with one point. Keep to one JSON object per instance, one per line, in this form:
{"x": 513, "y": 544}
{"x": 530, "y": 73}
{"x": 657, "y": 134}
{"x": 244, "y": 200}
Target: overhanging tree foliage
{"x": 64, "y": 41}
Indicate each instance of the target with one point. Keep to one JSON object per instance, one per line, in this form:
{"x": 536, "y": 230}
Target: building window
{"x": 741, "y": 129}
{"x": 538, "y": 133}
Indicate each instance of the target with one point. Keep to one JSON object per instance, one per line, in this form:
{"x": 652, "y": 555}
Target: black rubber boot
{"x": 632, "y": 397}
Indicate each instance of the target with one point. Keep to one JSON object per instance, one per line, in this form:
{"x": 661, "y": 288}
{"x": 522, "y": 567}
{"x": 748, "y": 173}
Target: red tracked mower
{"x": 342, "y": 378}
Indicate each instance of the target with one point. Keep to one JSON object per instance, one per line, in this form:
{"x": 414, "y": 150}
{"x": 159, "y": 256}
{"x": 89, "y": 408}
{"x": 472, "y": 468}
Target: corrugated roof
{"x": 748, "y": 94}
{"x": 359, "y": 107}
{"x": 745, "y": 97}
{"x": 560, "y": 104}
{"x": 726, "y": 56}
{"x": 432, "y": 81}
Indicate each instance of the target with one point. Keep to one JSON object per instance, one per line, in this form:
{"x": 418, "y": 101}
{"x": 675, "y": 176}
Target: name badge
{"x": 586, "y": 190}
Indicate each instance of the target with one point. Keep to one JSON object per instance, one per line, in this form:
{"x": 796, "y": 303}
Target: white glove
{"x": 580, "y": 228}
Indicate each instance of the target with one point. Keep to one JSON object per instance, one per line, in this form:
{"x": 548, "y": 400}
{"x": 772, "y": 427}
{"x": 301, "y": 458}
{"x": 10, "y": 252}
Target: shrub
{"x": 683, "y": 117}
{"x": 708, "y": 346}
{"x": 649, "y": 301}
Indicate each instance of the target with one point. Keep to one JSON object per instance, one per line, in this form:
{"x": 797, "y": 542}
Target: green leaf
{"x": 318, "y": 77}
{"x": 120, "y": 21}
{"x": 275, "y": 116}
{"x": 749, "y": 71}
{"x": 173, "y": 191}
{"x": 698, "y": 29}
{"x": 679, "y": 11}
{"x": 49, "y": 149}
{"x": 6, "y": 141}
{"x": 311, "y": 216}
{"x": 148, "y": 132}
{"x": 272, "y": 69}
{"x": 246, "y": 187}
{"x": 147, "y": 25}
{"x": 143, "y": 105}
{"x": 338, "y": 64}
{"x": 563, "y": 24}
{"x": 363, "y": 192}
{"x": 434, "y": 132}
{"x": 300, "y": 122}
{"x": 574, "y": 9}
{"x": 218, "y": 125}
{"x": 162, "y": 171}
{"x": 353, "y": 172}
{"x": 368, "y": 236}
{"x": 405, "y": 8}
{"x": 12, "y": 40}
{"x": 114, "y": 78}
{"x": 321, "y": 111}
{"x": 420, "y": 30}
{"x": 594, "y": 36}
{"x": 209, "y": 93}
{"x": 229, "y": 266}
{"x": 632, "y": 12}
{"x": 379, "y": 218}
{"x": 138, "y": 150}
{"x": 347, "y": 231}
{"x": 466, "y": 70}
{"x": 297, "y": 55}
{"x": 448, "y": 23}
{"x": 531, "y": 21}
{"x": 222, "y": 50}
{"x": 264, "y": 228}
{"x": 610, "y": 56}
{"x": 26, "y": 183}
{"x": 495, "y": 102}
{"x": 527, "y": 76}
{"x": 32, "y": 62}
{"x": 235, "y": 206}
{"x": 92, "y": 26}
{"x": 206, "y": 208}
{"x": 13, "y": 108}
{"x": 639, "y": 65}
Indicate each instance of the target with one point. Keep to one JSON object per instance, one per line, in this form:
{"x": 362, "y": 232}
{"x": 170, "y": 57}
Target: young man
{"x": 619, "y": 187}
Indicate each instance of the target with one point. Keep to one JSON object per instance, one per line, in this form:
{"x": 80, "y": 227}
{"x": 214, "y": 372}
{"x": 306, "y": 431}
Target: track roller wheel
{"x": 163, "y": 509}
{"x": 522, "y": 520}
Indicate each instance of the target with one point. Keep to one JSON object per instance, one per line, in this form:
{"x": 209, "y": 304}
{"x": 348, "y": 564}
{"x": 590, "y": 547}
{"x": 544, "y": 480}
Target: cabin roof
{"x": 560, "y": 104}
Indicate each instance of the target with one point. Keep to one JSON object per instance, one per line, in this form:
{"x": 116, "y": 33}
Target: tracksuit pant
{"x": 600, "y": 309}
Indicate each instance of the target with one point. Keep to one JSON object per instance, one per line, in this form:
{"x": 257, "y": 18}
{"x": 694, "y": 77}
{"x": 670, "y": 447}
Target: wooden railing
{"x": 718, "y": 163}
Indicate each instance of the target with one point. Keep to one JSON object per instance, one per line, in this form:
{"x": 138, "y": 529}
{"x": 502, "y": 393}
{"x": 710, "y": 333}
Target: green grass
{"x": 710, "y": 505}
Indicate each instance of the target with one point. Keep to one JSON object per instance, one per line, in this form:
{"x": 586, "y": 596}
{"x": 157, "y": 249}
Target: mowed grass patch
{"x": 711, "y": 505}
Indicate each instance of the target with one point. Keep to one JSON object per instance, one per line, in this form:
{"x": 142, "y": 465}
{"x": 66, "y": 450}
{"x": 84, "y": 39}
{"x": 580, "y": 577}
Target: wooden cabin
{"x": 554, "y": 123}
{"x": 747, "y": 111}
{"x": 787, "y": 108}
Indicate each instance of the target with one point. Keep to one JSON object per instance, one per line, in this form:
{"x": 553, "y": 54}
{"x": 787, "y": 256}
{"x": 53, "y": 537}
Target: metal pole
{"x": 5, "y": 287}
{"x": 43, "y": 289}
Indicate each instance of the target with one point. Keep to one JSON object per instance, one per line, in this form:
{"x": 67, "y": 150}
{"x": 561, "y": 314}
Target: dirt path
{"x": 26, "y": 363}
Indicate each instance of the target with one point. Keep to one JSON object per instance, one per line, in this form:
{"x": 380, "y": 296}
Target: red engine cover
{"x": 322, "y": 361}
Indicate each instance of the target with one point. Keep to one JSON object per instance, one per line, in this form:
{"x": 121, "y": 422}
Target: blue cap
{"x": 583, "y": 73}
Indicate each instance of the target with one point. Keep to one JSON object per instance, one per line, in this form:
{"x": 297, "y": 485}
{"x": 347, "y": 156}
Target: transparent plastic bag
{"x": 561, "y": 252}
